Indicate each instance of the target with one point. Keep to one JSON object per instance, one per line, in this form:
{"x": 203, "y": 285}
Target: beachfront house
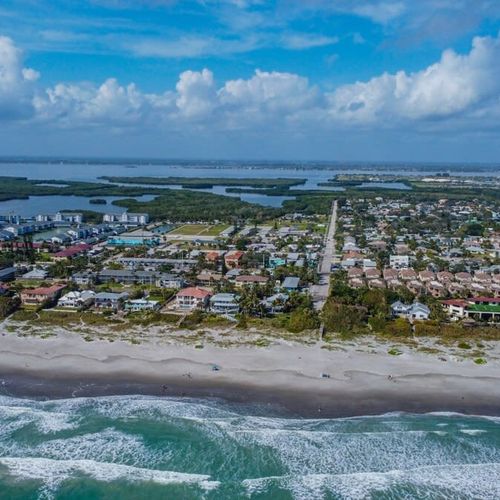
{"x": 41, "y": 296}
{"x": 192, "y": 298}
{"x": 416, "y": 311}
{"x": 139, "y": 305}
{"x": 275, "y": 303}
{"x": 477, "y": 308}
{"x": 224, "y": 303}
{"x": 76, "y": 299}
{"x": 110, "y": 301}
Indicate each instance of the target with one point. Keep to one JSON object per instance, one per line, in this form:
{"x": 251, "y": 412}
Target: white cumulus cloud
{"x": 456, "y": 84}
{"x": 15, "y": 82}
{"x": 458, "y": 90}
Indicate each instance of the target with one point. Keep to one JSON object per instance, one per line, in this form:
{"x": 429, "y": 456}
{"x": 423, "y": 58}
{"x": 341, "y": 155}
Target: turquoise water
{"x": 169, "y": 448}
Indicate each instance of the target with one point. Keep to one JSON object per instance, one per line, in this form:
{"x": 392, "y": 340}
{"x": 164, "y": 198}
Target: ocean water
{"x": 141, "y": 447}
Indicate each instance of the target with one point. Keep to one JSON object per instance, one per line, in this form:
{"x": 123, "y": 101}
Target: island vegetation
{"x": 206, "y": 182}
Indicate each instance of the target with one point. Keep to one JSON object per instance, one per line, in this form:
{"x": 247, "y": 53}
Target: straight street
{"x": 320, "y": 292}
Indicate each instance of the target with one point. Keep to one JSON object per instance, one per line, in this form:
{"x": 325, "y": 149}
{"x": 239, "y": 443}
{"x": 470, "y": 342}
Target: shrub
{"x": 302, "y": 319}
{"x": 398, "y": 328}
{"x": 343, "y": 318}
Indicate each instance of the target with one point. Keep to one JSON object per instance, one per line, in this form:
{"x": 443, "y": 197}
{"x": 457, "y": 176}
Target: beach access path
{"x": 320, "y": 291}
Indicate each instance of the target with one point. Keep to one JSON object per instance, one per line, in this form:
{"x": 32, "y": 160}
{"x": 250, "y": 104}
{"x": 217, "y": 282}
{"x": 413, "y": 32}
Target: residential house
{"x": 355, "y": 272}
{"x": 455, "y": 308}
{"x": 233, "y": 259}
{"x": 208, "y": 278}
{"x": 275, "y": 303}
{"x": 390, "y": 274}
{"x": 445, "y": 277}
{"x": 291, "y": 283}
{"x": 426, "y": 276}
{"x": 72, "y": 251}
{"x": 436, "y": 289}
{"x": 224, "y": 303}
{"x": 463, "y": 277}
{"x": 399, "y": 261}
{"x": 76, "y": 299}
{"x": 192, "y": 298}
{"x": 251, "y": 279}
{"x": 407, "y": 274}
{"x": 416, "y": 287}
{"x": 376, "y": 283}
{"x": 7, "y": 274}
{"x": 110, "y": 300}
{"x": 40, "y": 296}
{"x": 35, "y": 275}
{"x": 372, "y": 274}
{"x": 83, "y": 278}
{"x": 416, "y": 311}
{"x": 138, "y": 305}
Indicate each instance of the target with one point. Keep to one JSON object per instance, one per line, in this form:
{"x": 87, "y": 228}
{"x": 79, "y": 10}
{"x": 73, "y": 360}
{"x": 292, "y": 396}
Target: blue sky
{"x": 318, "y": 79}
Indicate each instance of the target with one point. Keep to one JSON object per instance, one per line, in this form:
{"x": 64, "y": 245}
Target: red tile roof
{"x": 485, "y": 299}
{"x": 252, "y": 279}
{"x": 74, "y": 250}
{"x": 454, "y": 302}
{"x": 234, "y": 255}
{"x": 48, "y": 290}
{"x": 198, "y": 293}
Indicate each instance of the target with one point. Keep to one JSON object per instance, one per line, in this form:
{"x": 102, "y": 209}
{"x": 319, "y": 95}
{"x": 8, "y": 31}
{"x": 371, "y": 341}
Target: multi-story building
{"x": 224, "y": 303}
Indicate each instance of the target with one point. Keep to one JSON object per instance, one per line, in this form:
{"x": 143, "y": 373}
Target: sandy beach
{"x": 304, "y": 380}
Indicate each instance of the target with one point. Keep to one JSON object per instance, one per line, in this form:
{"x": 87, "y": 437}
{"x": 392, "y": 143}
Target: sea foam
{"x": 53, "y": 472}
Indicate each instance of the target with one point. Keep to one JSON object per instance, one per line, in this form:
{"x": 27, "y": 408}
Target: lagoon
{"x": 35, "y": 205}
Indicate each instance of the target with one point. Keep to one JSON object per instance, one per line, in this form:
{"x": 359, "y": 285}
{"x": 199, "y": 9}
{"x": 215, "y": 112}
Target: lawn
{"x": 215, "y": 230}
{"x": 199, "y": 230}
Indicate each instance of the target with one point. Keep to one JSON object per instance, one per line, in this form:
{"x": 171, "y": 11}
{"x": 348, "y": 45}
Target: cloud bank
{"x": 458, "y": 92}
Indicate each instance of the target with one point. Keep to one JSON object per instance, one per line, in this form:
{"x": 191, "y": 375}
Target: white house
{"x": 415, "y": 311}
{"x": 399, "y": 261}
{"x": 138, "y": 305}
{"x": 192, "y": 297}
{"x": 76, "y": 299}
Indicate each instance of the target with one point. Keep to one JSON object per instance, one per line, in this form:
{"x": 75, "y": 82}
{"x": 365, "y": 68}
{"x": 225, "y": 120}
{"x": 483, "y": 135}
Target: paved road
{"x": 320, "y": 292}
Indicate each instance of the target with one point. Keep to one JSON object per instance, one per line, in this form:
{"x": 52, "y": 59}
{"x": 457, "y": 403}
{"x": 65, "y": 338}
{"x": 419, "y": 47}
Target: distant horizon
{"x": 158, "y": 160}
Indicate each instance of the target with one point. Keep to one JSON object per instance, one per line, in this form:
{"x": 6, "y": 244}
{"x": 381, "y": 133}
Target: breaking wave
{"x": 194, "y": 448}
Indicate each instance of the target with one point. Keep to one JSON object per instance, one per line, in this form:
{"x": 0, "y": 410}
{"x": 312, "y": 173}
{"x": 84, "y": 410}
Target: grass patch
{"x": 394, "y": 352}
{"x": 199, "y": 230}
{"x": 480, "y": 361}
{"x": 24, "y": 315}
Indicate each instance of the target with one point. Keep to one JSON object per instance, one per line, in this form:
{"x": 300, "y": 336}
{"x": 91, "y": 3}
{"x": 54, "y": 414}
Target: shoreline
{"x": 285, "y": 378}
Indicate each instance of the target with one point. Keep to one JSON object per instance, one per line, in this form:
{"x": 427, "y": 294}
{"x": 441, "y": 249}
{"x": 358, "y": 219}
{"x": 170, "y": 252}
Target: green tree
{"x": 342, "y": 318}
